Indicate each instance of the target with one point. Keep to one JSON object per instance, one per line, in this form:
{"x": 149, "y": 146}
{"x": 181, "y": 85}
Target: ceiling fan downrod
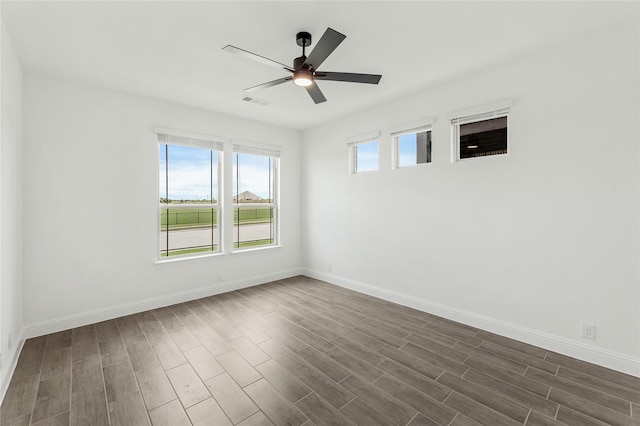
{"x": 305, "y": 69}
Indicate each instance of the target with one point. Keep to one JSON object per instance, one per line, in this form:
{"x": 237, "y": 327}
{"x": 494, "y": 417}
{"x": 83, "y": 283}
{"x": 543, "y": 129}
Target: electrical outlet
{"x": 10, "y": 340}
{"x": 329, "y": 267}
{"x": 219, "y": 278}
{"x": 589, "y": 331}
{"x": 0, "y": 361}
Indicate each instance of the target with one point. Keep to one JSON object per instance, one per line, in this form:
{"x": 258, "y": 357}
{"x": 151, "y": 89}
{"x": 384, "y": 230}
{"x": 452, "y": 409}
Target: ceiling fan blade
{"x": 268, "y": 84}
{"x": 347, "y": 76}
{"x": 315, "y": 93}
{"x": 258, "y": 58}
{"x": 327, "y": 44}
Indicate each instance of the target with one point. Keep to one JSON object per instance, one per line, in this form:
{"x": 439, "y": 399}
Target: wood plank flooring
{"x": 303, "y": 352}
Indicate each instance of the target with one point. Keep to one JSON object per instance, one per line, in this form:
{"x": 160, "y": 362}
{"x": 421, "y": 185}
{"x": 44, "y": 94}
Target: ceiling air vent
{"x": 256, "y": 101}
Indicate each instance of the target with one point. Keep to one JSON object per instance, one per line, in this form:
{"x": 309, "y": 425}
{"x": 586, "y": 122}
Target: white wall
{"x": 90, "y": 206}
{"x": 530, "y": 245}
{"x": 10, "y": 209}
{"x": 549, "y": 235}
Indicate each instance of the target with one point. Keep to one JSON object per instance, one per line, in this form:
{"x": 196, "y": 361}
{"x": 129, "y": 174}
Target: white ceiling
{"x": 173, "y": 50}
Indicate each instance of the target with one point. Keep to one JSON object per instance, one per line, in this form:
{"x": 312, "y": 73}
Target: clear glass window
{"x": 483, "y": 138}
{"x": 365, "y": 157}
{"x": 413, "y": 148}
{"x": 188, "y": 200}
{"x": 254, "y": 200}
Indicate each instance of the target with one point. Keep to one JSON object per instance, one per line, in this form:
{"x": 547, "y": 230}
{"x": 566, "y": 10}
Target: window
{"x": 481, "y": 134}
{"x": 412, "y": 147}
{"x": 255, "y": 208}
{"x": 482, "y": 138}
{"x": 363, "y": 152}
{"x": 364, "y": 156}
{"x": 189, "y": 209}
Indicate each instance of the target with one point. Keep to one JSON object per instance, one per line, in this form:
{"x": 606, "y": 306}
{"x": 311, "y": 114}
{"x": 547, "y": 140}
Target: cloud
{"x": 254, "y": 176}
{"x": 190, "y": 172}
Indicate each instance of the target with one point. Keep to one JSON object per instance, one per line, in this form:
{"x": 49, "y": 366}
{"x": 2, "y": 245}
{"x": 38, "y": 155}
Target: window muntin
{"x": 412, "y": 148}
{"x": 187, "y": 230}
{"x": 189, "y": 210}
{"x": 364, "y": 156}
{"x": 255, "y": 174}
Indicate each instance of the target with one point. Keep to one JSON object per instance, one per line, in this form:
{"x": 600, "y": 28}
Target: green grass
{"x": 188, "y": 218}
{"x": 203, "y": 217}
{"x": 193, "y": 218}
{"x": 252, "y": 243}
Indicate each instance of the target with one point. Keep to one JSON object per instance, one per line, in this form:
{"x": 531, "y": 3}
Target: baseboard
{"x": 9, "y": 364}
{"x": 98, "y": 315}
{"x": 606, "y": 358}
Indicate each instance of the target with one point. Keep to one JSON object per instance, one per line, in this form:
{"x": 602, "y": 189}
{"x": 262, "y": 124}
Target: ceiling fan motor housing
{"x": 303, "y": 39}
{"x": 298, "y": 63}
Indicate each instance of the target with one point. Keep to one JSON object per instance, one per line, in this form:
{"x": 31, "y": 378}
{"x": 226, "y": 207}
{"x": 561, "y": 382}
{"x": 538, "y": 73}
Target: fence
{"x": 193, "y": 218}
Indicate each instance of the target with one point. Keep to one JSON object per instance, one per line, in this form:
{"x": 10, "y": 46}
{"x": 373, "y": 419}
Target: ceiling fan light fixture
{"x": 305, "y": 69}
{"x": 303, "y": 78}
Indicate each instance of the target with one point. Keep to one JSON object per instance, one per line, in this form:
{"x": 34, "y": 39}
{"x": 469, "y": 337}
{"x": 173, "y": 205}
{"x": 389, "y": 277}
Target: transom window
{"x": 412, "y": 147}
{"x": 482, "y": 138}
{"x": 364, "y": 156}
{"x": 481, "y": 134}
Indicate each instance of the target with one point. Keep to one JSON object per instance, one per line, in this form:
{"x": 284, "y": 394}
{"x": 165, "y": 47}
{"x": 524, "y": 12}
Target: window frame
{"x": 171, "y": 137}
{"x": 267, "y": 151}
{"x": 352, "y": 144}
{"x": 425, "y": 125}
{"x": 475, "y": 115}
{"x": 352, "y": 155}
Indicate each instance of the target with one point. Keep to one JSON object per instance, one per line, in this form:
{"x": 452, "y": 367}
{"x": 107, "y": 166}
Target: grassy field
{"x": 193, "y": 218}
{"x": 202, "y": 217}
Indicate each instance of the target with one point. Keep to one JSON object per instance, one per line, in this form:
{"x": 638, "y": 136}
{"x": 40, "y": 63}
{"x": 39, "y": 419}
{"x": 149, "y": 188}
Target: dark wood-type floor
{"x": 303, "y": 352}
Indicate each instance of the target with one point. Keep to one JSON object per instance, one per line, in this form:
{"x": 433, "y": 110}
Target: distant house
{"x": 247, "y": 197}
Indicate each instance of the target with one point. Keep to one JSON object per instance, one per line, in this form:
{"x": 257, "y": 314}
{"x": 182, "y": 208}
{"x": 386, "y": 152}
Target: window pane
{"x": 366, "y": 157}
{"x": 482, "y": 138}
{"x": 253, "y": 182}
{"x": 253, "y": 178}
{"x": 188, "y": 230}
{"x": 414, "y": 148}
{"x": 192, "y": 175}
{"x": 253, "y": 226}
{"x": 163, "y": 173}
{"x": 188, "y": 176}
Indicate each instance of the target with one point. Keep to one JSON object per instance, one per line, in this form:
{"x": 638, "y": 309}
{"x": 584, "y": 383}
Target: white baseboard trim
{"x": 604, "y": 357}
{"x": 98, "y": 315}
{"x": 9, "y": 364}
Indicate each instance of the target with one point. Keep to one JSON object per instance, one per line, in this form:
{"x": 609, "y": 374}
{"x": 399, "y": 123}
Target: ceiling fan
{"x": 305, "y": 69}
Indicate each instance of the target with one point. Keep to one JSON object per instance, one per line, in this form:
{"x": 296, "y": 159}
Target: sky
{"x": 367, "y": 156}
{"x": 256, "y": 173}
{"x": 368, "y": 153}
{"x": 190, "y": 170}
{"x": 407, "y": 150}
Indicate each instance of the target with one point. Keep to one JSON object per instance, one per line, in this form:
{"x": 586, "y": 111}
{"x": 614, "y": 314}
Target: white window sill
{"x": 175, "y": 259}
{"x": 202, "y": 257}
{"x": 256, "y": 249}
